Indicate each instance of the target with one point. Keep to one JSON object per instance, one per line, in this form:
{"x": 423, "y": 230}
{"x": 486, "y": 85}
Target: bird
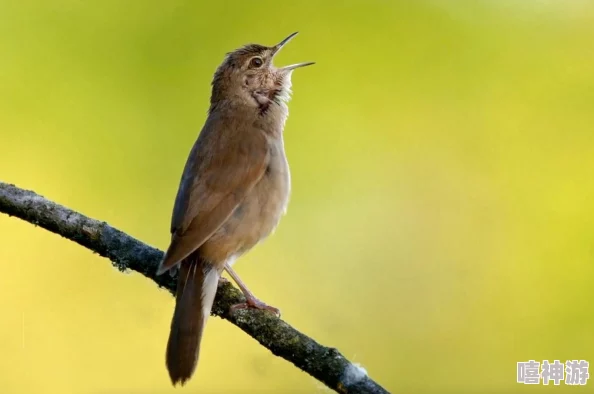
{"x": 232, "y": 194}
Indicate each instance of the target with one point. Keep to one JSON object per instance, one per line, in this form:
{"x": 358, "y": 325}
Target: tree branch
{"x": 127, "y": 253}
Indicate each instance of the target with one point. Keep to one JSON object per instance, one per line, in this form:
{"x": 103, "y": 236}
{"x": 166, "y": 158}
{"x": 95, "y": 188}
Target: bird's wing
{"x": 221, "y": 169}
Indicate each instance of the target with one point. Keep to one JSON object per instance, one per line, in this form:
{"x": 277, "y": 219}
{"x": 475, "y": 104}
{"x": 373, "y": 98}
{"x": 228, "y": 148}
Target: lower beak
{"x": 294, "y": 66}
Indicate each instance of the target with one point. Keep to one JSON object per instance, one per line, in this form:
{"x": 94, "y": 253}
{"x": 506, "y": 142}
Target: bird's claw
{"x": 255, "y": 304}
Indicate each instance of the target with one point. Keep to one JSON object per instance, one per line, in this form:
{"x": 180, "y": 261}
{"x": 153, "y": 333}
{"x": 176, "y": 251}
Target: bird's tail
{"x": 196, "y": 288}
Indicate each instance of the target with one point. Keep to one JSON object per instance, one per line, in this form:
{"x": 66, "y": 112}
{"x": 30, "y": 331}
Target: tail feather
{"x": 196, "y": 289}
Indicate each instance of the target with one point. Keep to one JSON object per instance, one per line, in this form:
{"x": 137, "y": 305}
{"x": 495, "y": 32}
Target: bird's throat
{"x": 270, "y": 97}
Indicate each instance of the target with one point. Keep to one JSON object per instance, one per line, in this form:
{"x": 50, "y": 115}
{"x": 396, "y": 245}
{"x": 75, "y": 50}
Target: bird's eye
{"x": 256, "y": 62}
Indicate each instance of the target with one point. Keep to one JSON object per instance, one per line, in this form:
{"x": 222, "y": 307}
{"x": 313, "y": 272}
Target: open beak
{"x": 281, "y": 44}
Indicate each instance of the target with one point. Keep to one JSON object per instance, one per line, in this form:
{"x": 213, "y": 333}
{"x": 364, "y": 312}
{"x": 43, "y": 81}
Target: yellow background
{"x": 441, "y": 227}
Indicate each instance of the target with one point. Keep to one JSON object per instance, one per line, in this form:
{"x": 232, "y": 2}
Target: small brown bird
{"x": 233, "y": 191}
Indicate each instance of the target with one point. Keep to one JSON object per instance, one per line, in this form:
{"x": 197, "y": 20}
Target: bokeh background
{"x": 441, "y": 226}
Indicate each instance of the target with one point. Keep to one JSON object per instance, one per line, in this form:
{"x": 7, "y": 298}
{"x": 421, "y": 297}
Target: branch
{"x": 127, "y": 253}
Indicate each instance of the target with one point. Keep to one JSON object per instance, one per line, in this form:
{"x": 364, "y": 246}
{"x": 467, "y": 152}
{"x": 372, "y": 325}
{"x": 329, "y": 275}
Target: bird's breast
{"x": 275, "y": 185}
{"x": 259, "y": 212}
{"x": 269, "y": 199}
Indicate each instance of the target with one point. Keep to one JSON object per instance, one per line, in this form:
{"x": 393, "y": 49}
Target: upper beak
{"x": 281, "y": 44}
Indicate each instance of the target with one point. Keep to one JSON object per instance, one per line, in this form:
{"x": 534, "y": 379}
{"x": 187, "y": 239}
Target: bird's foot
{"x": 253, "y": 302}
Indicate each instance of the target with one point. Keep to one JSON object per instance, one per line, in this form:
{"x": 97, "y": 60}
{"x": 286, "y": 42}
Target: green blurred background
{"x": 441, "y": 226}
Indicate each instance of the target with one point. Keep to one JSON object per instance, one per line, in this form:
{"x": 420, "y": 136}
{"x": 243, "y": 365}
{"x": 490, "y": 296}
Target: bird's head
{"x": 248, "y": 77}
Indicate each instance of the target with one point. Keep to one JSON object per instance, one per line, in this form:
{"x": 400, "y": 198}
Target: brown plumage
{"x": 233, "y": 191}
